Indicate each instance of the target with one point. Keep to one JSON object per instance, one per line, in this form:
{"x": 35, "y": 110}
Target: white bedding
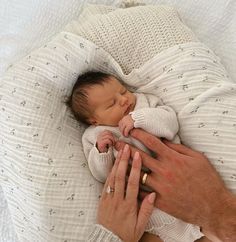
{"x": 37, "y": 22}
{"x": 191, "y": 79}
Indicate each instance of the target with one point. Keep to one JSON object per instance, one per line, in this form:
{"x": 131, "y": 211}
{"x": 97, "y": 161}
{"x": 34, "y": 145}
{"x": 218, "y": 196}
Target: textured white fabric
{"x": 50, "y": 192}
{"x": 38, "y": 20}
{"x": 191, "y": 79}
{"x": 100, "y": 233}
{"x": 28, "y": 24}
{"x": 7, "y": 232}
{"x": 147, "y": 109}
{"x": 26, "y": 40}
{"x": 213, "y": 22}
{"x": 125, "y": 33}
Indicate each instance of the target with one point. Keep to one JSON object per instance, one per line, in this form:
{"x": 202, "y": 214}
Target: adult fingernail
{"x": 152, "y": 197}
{"x": 136, "y": 155}
{"x": 126, "y": 148}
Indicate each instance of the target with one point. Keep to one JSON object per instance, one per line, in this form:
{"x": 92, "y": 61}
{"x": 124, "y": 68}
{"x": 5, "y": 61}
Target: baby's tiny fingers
{"x": 108, "y": 142}
{"x": 126, "y": 131}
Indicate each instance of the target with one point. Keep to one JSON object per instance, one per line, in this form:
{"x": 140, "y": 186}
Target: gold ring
{"x": 144, "y": 178}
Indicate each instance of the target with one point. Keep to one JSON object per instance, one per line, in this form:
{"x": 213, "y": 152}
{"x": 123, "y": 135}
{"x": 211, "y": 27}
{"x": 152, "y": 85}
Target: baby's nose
{"x": 123, "y": 100}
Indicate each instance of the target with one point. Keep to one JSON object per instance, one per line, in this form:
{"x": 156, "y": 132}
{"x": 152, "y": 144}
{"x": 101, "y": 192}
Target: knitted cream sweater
{"x": 149, "y": 114}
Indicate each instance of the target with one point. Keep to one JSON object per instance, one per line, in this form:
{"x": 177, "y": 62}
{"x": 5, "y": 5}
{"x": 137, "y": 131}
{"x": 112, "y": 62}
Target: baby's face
{"x": 110, "y": 102}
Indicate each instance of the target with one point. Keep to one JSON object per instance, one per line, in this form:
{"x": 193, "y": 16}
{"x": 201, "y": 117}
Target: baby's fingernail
{"x": 126, "y": 148}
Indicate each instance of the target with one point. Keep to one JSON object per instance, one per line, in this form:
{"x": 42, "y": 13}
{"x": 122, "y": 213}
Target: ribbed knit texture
{"x": 100, "y": 164}
{"x": 125, "y": 33}
{"x": 155, "y": 120}
{"x": 100, "y": 233}
{"x": 171, "y": 229}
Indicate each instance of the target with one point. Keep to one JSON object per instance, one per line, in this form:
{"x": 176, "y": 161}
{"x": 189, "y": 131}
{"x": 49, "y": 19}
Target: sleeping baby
{"x": 111, "y": 111}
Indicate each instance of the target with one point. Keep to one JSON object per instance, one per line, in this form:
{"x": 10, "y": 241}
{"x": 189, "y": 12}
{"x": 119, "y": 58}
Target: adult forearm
{"x": 223, "y": 220}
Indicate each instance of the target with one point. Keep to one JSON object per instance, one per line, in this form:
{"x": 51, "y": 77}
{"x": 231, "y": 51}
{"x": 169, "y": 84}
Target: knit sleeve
{"x": 101, "y": 234}
{"x": 100, "y": 164}
{"x": 160, "y": 121}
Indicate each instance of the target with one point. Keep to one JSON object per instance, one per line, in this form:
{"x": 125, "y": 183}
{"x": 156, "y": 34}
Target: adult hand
{"x": 118, "y": 208}
{"x": 187, "y": 185}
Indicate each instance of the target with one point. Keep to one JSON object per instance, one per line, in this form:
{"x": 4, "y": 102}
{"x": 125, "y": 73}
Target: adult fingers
{"x": 121, "y": 173}
{"x": 110, "y": 181}
{"x": 151, "y": 142}
{"x": 145, "y": 211}
{"x": 147, "y": 160}
{"x": 142, "y": 194}
{"x": 134, "y": 177}
{"x": 181, "y": 149}
{"x": 149, "y": 181}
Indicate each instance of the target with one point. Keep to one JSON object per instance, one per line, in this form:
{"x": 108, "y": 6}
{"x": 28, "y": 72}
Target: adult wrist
{"x": 222, "y": 220}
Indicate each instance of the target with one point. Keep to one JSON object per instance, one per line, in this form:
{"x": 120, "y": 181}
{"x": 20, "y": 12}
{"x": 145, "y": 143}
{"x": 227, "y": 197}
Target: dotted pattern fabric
{"x": 212, "y": 30}
{"x": 44, "y": 175}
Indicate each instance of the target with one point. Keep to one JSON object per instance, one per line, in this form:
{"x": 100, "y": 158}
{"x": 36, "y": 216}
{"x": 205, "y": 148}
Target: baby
{"x": 103, "y": 102}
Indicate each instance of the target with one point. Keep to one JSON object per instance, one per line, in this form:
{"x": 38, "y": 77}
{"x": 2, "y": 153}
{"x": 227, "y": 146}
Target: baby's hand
{"x": 126, "y": 124}
{"x": 104, "y": 140}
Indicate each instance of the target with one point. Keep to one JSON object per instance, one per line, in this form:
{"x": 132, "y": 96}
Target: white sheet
{"x": 26, "y": 25}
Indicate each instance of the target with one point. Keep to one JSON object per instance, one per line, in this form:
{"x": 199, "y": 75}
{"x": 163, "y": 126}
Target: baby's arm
{"x": 100, "y": 163}
{"x": 160, "y": 121}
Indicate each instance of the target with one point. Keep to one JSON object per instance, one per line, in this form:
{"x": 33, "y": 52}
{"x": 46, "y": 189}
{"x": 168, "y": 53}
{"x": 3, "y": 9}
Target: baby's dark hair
{"x": 79, "y": 94}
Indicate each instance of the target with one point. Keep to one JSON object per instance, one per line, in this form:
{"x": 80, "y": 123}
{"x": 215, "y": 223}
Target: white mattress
{"x": 27, "y": 25}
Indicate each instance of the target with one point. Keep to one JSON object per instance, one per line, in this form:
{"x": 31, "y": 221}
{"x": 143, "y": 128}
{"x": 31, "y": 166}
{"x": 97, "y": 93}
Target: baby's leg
{"x": 147, "y": 237}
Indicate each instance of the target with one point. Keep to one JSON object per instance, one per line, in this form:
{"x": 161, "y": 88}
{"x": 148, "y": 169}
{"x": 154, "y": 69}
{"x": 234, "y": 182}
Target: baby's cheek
{"x": 119, "y": 116}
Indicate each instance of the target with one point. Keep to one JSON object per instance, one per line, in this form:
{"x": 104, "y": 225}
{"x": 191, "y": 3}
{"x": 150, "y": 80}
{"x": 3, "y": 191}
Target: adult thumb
{"x": 145, "y": 211}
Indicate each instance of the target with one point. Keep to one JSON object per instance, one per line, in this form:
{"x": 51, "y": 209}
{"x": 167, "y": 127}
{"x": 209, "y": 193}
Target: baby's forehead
{"x": 111, "y": 82}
